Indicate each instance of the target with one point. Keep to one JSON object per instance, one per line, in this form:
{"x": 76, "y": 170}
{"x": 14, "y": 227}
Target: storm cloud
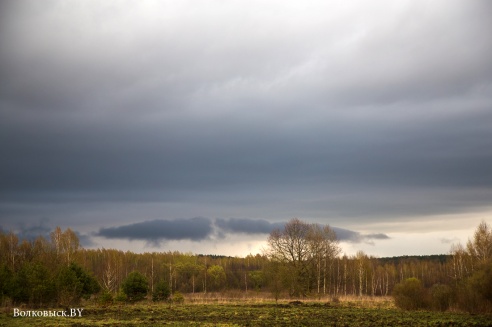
{"x": 195, "y": 229}
{"x": 262, "y": 226}
{"x": 247, "y": 226}
{"x": 346, "y": 235}
{"x": 201, "y": 228}
{"x": 343, "y": 113}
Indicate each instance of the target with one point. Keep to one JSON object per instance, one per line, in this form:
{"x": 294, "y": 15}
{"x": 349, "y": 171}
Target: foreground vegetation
{"x": 339, "y": 313}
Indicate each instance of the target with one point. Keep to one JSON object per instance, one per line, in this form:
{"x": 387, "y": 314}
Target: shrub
{"x": 6, "y": 279}
{"x": 106, "y": 299}
{"x": 440, "y": 297}
{"x": 481, "y": 282}
{"x": 409, "y": 295}
{"x": 161, "y": 292}
{"x": 120, "y": 297}
{"x": 475, "y": 293}
{"x": 135, "y": 286}
{"x": 178, "y": 298}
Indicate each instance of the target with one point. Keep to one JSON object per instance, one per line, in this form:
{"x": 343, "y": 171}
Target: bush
{"x": 440, "y": 297}
{"x": 6, "y": 279}
{"x": 106, "y": 298}
{"x": 474, "y": 294}
{"x": 135, "y": 286}
{"x": 161, "y": 292}
{"x": 481, "y": 282}
{"x": 120, "y": 297}
{"x": 178, "y": 298}
{"x": 409, "y": 295}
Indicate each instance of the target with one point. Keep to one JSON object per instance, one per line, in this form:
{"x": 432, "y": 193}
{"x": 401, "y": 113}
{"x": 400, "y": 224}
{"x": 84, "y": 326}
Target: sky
{"x": 201, "y": 126}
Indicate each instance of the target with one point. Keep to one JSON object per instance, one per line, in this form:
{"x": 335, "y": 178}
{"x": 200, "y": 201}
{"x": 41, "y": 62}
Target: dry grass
{"x": 253, "y": 297}
{"x": 252, "y": 309}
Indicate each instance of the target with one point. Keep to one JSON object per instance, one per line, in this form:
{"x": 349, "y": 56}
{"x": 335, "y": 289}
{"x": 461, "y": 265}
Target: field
{"x": 248, "y": 313}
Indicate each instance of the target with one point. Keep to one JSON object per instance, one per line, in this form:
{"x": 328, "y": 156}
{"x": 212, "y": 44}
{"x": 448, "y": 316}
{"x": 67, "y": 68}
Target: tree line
{"x": 302, "y": 260}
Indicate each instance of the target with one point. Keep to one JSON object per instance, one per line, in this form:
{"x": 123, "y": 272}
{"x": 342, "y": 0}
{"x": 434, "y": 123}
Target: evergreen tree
{"x": 161, "y": 292}
{"x": 33, "y": 285}
{"x": 135, "y": 286}
{"x": 74, "y": 283}
{"x": 6, "y": 279}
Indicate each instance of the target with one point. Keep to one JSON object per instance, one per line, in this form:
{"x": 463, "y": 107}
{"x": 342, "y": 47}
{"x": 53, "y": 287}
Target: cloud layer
{"x": 343, "y": 113}
{"x": 195, "y": 229}
{"x": 201, "y": 228}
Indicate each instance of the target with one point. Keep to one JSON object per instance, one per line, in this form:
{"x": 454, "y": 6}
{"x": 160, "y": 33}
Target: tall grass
{"x": 253, "y": 297}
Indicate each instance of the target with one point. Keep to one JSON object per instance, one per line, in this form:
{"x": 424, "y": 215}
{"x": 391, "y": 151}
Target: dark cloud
{"x": 285, "y": 111}
{"x": 195, "y": 229}
{"x": 31, "y": 231}
{"x": 261, "y": 226}
{"x": 345, "y": 235}
{"x": 85, "y": 240}
{"x": 247, "y": 226}
{"x": 200, "y": 228}
{"x": 376, "y": 236}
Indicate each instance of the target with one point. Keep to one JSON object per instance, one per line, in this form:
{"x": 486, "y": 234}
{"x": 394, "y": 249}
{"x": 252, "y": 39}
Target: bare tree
{"x": 360, "y": 257}
{"x": 56, "y": 239}
{"x": 69, "y": 244}
{"x": 305, "y": 248}
{"x": 323, "y": 246}
{"x": 12, "y": 246}
{"x": 480, "y": 248}
{"x": 291, "y": 246}
{"x": 109, "y": 277}
{"x": 65, "y": 243}
{"x": 459, "y": 262}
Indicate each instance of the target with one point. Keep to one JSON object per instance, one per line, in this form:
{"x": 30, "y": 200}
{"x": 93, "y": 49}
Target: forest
{"x": 302, "y": 261}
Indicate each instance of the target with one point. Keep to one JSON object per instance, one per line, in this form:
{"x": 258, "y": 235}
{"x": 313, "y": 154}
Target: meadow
{"x": 216, "y": 311}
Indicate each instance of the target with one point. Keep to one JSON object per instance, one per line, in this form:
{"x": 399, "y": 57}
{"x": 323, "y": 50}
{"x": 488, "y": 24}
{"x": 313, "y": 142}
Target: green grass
{"x": 241, "y": 314}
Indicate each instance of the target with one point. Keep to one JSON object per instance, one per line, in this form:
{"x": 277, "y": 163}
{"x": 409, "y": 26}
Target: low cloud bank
{"x": 195, "y": 229}
{"x": 247, "y": 226}
{"x": 201, "y": 228}
{"x": 346, "y": 235}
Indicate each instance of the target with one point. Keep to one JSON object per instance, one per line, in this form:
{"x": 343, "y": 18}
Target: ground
{"x": 247, "y": 313}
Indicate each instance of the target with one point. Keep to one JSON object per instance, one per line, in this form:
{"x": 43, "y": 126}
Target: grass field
{"x": 251, "y": 313}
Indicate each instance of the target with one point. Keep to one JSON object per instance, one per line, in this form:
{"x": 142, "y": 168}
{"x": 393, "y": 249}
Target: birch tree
{"x": 480, "y": 248}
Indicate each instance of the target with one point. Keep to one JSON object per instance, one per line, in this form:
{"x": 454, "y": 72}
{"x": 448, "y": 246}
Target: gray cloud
{"x": 345, "y": 235}
{"x": 247, "y": 226}
{"x": 200, "y": 228}
{"x": 85, "y": 240}
{"x": 31, "y": 231}
{"x": 261, "y": 226}
{"x": 195, "y": 229}
{"x": 318, "y": 110}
